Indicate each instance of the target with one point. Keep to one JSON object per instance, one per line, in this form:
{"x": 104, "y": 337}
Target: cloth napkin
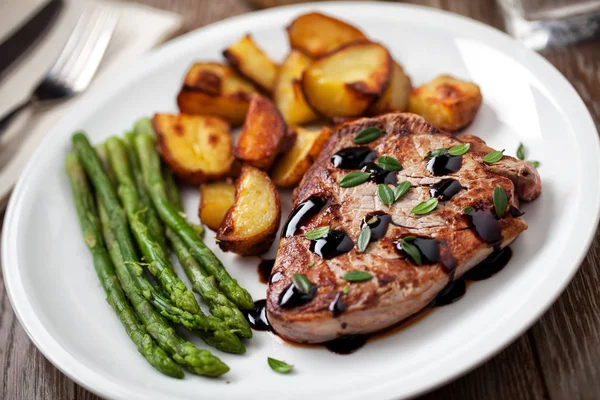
{"x": 139, "y": 28}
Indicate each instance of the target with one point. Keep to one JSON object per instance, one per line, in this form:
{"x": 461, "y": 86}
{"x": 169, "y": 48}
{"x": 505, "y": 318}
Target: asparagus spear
{"x": 150, "y": 162}
{"x": 90, "y": 227}
{"x": 200, "y": 362}
{"x": 153, "y": 251}
{"x": 219, "y": 305}
{"x": 219, "y": 337}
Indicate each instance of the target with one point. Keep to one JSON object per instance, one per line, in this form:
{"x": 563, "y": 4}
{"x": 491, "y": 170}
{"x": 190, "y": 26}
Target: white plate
{"x": 58, "y": 299}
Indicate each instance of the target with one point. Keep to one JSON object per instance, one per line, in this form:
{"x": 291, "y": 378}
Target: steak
{"x": 458, "y": 234}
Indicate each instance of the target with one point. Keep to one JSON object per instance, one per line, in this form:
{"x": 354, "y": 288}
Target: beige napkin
{"x": 139, "y": 29}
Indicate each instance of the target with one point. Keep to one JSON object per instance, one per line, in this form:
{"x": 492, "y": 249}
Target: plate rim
{"x": 102, "y": 386}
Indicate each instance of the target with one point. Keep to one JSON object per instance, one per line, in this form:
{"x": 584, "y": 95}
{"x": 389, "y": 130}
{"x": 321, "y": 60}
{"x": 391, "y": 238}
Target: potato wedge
{"x": 446, "y": 102}
{"x": 347, "y": 81}
{"x": 395, "y": 96}
{"x": 260, "y": 140}
{"x": 251, "y": 62}
{"x": 215, "y": 200}
{"x": 287, "y": 94}
{"x": 197, "y": 148}
{"x": 215, "y": 89}
{"x": 251, "y": 223}
{"x": 291, "y": 166}
{"x": 316, "y": 34}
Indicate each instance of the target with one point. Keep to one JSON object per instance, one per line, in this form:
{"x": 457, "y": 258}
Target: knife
{"x": 26, "y": 35}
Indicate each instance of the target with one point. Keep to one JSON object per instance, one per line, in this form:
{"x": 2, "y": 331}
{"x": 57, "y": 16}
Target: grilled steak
{"x": 449, "y": 242}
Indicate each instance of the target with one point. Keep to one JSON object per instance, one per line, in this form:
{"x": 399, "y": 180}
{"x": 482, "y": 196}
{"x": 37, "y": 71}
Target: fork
{"x": 77, "y": 63}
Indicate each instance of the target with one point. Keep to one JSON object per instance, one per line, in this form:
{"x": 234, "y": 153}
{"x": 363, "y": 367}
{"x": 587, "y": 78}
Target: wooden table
{"x": 558, "y": 358}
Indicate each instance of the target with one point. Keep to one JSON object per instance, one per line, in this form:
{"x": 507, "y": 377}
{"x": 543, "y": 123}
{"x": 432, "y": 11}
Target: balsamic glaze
{"x": 380, "y": 175}
{"x": 490, "y": 266}
{"x": 515, "y": 212}
{"x": 486, "y": 225}
{"x": 445, "y": 189}
{"x": 379, "y": 227}
{"x": 346, "y": 344}
{"x": 444, "y": 164}
{"x": 433, "y": 251}
{"x": 332, "y": 245}
{"x": 301, "y": 213}
{"x": 257, "y": 317}
{"x": 337, "y": 306}
{"x": 451, "y": 293}
{"x": 292, "y": 297}
{"x": 353, "y": 157}
{"x": 264, "y": 270}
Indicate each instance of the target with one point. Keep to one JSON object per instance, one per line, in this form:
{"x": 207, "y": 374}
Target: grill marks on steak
{"x": 399, "y": 288}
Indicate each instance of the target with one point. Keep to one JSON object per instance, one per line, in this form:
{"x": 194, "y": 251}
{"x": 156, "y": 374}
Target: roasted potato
{"x": 287, "y": 94}
{"x": 347, "y": 81}
{"x": 292, "y": 165}
{"x": 260, "y": 140}
{"x": 197, "y": 148}
{"x": 250, "y": 61}
{"x": 215, "y": 200}
{"x": 316, "y": 34}
{"x": 251, "y": 223}
{"x": 215, "y": 89}
{"x": 395, "y": 96}
{"x": 446, "y": 102}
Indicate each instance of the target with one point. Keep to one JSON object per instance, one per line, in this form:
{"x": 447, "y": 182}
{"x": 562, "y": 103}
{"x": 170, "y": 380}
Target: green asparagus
{"x": 220, "y": 337}
{"x": 153, "y": 252}
{"x": 90, "y": 226}
{"x": 200, "y": 362}
{"x": 150, "y": 162}
{"x": 219, "y": 305}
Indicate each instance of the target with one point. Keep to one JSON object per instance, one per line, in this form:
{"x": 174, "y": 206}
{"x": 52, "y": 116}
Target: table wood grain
{"x": 558, "y": 358}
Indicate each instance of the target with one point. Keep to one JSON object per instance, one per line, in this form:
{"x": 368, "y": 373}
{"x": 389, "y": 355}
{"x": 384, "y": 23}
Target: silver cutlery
{"x": 77, "y": 63}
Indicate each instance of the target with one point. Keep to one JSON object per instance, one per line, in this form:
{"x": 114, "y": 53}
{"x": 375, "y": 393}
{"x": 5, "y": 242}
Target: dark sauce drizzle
{"x": 346, "y": 344}
{"x": 378, "y": 227}
{"x": 444, "y": 164}
{"x": 486, "y": 225}
{"x": 493, "y": 264}
{"x": 379, "y": 175}
{"x": 291, "y": 297}
{"x": 433, "y": 251}
{"x": 332, "y": 245}
{"x": 515, "y": 212}
{"x": 257, "y": 317}
{"x": 264, "y": 270}
{"x": 337, "y": 306}
{"x": 445, "y": 189}
{"x": 353, "y": 157}
{"x": 301, "y": 214}
{"x": 453, "y": 291}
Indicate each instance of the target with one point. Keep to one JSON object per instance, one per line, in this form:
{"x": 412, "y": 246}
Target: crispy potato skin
{"x": 260, "y": 140}
{"x": 345, "y": 82}
{"x": 215, "y": 89}
{"x": 316, "y": 34}
{"x": 395, "y": 97}
{"x": 251, "y": 224}
{"x": 197, "y": 148}
{"x": 251, "y": 62}
{"x": 287, "y": 93}
{"x": 293, "y": 164}
{"x": 215, "y": 200}
{"x": 446, "y": 102}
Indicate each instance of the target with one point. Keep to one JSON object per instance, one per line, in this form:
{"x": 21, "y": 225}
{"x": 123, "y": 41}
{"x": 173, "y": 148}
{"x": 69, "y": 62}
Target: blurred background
{"x": 34, "y": 34}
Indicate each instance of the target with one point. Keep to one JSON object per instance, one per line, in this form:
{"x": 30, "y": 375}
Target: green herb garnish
{"x": 302, "y": 283}
{"x": 435, "y": 153}
{"x": 459, "y": 149}
{"x": 535, "y": 164}
{"x": 385, "y": 194}
{"x": 494, "y": 156}
{"x": 279, "y": 366}
{"x": 410, "y": 249}
{"x": 425, "y": 207}
{"x": 346, "y": 289}
{"x": 318, "y": 233}
{"x": 367, "y": 135}
{"x": 354, "y": 178}
{"x": 311, "y": 264}
{"x": 401, "y": 190}
{"x": 364, "y": 237}
{"x": 388, "y": 163}
{"x": 372, "y": 220}
{"x": 521, "y": 152}
{"x": 468, "y": 210}
{"x": 500, "y": 201}
{"x": 357, "y": 276}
